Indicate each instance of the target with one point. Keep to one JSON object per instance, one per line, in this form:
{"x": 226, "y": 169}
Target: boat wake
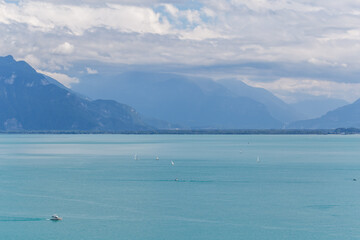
{"x": 20, "y": 219}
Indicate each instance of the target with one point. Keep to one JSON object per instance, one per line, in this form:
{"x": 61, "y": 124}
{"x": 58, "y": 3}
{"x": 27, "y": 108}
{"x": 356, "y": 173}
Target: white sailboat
{"x": 172, "y": 163}
{"x": 258, "y": 159}
{"x": 135, "y": 157}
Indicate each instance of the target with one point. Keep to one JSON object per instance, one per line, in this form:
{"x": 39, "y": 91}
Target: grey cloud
{"x": 258, "y": 40}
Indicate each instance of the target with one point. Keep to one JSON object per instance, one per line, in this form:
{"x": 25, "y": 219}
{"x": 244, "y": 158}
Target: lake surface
{"x": 228, "y": 187}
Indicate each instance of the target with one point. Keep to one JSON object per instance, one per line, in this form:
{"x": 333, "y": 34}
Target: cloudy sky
{"x": 293, "y": 48}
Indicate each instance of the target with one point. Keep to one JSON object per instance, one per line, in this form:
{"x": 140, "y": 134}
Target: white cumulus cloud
{"x": 74, "y": 19}
{"x": 286, "y": 87}
{"x": 65, "y": 49}
{"x": 91, "y": 71}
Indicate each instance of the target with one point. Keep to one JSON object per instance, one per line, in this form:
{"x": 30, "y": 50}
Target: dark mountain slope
{"x": 28, "y": 101}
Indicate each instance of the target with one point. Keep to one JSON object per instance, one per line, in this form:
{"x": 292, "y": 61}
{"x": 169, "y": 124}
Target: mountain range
{"x": 32, "y": 101}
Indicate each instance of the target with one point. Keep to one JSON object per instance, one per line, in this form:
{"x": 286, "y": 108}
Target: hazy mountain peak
{"x": 278, "y": 108}
{"x": 315, "y": 107}
{"x": 344, "y": 117}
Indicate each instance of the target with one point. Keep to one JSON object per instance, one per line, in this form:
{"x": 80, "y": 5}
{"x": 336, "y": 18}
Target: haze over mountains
{"x": 33, "y": 101}
{"x": 190, "y": 103}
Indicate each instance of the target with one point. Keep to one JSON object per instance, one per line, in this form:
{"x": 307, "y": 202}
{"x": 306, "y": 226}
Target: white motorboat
{"x": 55, "y": 218}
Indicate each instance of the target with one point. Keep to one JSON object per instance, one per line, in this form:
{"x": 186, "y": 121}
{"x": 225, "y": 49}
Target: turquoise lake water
{"x": 302, "y": 187}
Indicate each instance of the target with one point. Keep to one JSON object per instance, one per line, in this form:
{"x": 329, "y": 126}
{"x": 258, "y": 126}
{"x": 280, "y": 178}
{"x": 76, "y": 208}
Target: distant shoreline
{"x": 338, "y": 131}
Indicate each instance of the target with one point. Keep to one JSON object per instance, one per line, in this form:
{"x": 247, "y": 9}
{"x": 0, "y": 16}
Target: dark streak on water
{"x": 21, "y": 219}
